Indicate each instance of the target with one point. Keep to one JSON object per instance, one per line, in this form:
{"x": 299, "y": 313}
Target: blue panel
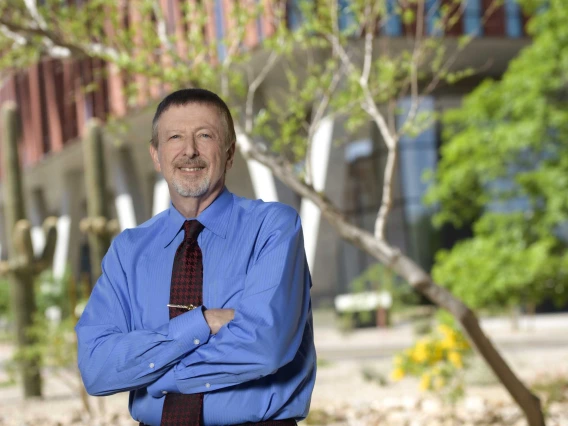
{"x": 360, "y": 148}
{"x": 417, "y": 154}
{"x": 345, "y": 16}
{"x": 294, "y": 14}
{"x": 472, "y": 18}
{"x": 432, "y": 11}
{"x": 220, "y": 30}
{"x": 259, "y": 28}
{"x": 513, "y": 22}
{"x": 393, "y": 25}
{"x": 259, "y": 25}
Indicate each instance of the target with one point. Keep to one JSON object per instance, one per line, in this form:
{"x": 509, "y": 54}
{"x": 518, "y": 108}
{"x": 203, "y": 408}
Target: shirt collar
{"x": 215, "y": 218}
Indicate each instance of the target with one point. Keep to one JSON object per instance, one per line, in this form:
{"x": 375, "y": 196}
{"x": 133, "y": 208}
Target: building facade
{"x": 55, "y": 109}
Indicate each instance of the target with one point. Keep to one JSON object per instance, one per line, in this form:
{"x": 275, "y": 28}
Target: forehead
{"x": 193, "y": 115}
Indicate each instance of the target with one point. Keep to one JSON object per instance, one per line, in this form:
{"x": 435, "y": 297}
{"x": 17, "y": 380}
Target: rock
{"x": 474, "y": 404}
{"x": 431, "y": 406}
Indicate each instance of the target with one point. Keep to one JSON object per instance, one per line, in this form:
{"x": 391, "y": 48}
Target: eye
{"x": 205, "y": 135}
{"x": 174, "y": 137}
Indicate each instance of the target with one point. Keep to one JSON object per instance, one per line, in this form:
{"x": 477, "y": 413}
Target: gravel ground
{"x": 352, "y": 388}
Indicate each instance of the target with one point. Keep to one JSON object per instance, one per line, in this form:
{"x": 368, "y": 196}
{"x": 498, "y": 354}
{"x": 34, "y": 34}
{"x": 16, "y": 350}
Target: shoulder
{"x": 259, "y": 209}
{"x": 267, "y": 215}
{"x": 132, "y": 237}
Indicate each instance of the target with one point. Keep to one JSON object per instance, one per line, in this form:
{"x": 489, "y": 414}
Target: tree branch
{"x": 31, "y": 6}
{"x": 369, "y": 37}
{"x": 316, "y": 121}
{"x": 253, "y": 87}
{"x": 60, "y": 48}
{"x": 162, "y": 31}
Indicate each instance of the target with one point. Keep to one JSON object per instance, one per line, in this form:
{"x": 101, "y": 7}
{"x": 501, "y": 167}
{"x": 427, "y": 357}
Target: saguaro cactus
{"x": 97, "y": 225}
{"x": 23, "y": 266}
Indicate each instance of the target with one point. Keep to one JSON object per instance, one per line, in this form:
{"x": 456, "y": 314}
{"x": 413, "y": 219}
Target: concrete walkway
{"x": 540, "y": 331}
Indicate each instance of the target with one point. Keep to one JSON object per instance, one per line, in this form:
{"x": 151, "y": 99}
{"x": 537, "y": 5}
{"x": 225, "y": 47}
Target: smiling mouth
{"x": 191, "y": 169}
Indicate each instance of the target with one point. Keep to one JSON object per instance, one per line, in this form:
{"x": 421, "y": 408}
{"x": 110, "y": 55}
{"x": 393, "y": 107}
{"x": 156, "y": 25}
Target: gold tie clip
{"x": 189, "y": 307}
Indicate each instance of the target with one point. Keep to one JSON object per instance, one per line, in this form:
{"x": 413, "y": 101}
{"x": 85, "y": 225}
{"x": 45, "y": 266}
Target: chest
{"x": 225, "y": 265}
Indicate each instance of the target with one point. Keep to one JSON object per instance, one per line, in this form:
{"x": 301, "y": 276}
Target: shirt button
{"x": 196, "y": 341}
{"x": 164, "y": 392}
{"x": 151, "y": 365}
{"x": 207, "y": 385}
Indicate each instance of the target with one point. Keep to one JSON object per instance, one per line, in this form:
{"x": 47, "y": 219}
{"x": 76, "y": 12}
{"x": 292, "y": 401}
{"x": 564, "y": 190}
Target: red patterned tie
{"x": 186, "y": 289}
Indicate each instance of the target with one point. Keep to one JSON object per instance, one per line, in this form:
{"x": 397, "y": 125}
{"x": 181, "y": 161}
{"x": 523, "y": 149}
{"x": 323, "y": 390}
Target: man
{"x": 203, "y": 313}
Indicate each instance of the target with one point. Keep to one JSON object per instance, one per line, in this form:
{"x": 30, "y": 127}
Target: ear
{"x": 230, "y": 156}
{"x": 155, "y": 158}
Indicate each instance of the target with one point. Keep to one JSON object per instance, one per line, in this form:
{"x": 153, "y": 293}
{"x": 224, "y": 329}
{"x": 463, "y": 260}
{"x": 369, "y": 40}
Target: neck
{"x": 192, "y": 206}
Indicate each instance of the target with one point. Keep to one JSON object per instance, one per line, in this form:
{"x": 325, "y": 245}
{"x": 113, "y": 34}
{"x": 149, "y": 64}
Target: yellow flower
{"x": 446, "y": 330}
{"x": 449, "y": 342}
{"x": 398, "y": 360}
{"x": 397, "y": 374}
{"x": 439, "y": 382}
{"x": 425, "y": 382}
{"x": 420, "y": 352}
{"x": 455, "y": 358}
{"x": 438, "y": 352}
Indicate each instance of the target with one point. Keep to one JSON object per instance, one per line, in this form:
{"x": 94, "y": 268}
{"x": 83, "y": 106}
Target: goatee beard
{"x": 185, "y": 189}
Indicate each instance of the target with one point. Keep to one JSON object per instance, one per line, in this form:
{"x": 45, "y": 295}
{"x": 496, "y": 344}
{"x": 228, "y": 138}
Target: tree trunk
{"x": 95, "y": 185}
{"x": 415, "y": 276}
{"x": 21, "y": 281}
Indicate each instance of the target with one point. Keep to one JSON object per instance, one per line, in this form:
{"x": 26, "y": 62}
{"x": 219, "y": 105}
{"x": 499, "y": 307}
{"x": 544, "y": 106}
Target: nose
{"x": 190, "y": 148}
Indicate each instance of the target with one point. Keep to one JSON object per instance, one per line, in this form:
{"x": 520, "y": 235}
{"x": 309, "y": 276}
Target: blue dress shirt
{"x": 259, "y": 366}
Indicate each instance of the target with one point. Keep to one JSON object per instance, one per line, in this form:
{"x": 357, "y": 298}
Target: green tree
{"x": 504, "y": 169}
{"x": 281, "y": 92}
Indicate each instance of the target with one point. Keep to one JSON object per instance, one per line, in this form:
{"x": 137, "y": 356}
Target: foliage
{"x": 55, "y": 345}
{"x": 377, "y": 277}
{"x": 4, "y": 297}
{"x": 552, "y": 389}
{"x": 146, "y": 47}
{"x": 53, "y": 326}
{"x": 504, "y": 168}
{"x": 439, "y": 359}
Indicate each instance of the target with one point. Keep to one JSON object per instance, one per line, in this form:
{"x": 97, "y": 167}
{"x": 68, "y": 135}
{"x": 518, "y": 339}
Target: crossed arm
{"x": 248, "y": 343}
{"x": 217, "y": 318}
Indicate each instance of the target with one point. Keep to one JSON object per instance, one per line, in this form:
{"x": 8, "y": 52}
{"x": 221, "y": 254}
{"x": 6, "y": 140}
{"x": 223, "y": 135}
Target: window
{"x": 472, "y": 18}
{"x": 513, "y": 21}
{"x": 432, "y": 13}
{"x": 259, "y": 26}
{"x": 345, "y": 18}
{"x": 393, "y": 25}
{"x": 417, "y": 154}
{"x": 293, "y": 14}
{"x": 220, "y": 30}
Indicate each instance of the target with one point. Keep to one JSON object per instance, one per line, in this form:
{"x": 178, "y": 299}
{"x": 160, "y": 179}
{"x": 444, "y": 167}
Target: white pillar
{"x": 125, "y": 211}
{"x": 161, "y": 199}
{"x": 262, "y": 181}
{"x": 67, "y": 250}
{"x": 126, "y": 189}
{"x": 309, "y": 212}
{"x": 37, "y": 213}
{"x": 62, "y": 246}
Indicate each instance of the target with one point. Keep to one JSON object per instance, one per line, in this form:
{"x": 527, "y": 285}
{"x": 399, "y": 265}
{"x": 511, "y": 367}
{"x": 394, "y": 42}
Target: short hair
{"x": 194, "y": 96}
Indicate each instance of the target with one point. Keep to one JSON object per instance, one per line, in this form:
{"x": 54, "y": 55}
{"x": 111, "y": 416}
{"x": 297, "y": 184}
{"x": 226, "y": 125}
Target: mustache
{"x": 189, "y": 164}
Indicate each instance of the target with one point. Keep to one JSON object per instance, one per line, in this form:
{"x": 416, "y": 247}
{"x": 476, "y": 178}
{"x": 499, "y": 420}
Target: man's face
{"x": 192, "y": 153}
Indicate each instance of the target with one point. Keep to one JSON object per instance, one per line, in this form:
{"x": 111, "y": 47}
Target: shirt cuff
{"x": 189, "y": 330}
{"x": 164, "y": 385}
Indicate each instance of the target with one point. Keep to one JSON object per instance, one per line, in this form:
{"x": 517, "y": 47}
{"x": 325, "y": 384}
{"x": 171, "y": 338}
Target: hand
{"x": 217, "y": 318}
